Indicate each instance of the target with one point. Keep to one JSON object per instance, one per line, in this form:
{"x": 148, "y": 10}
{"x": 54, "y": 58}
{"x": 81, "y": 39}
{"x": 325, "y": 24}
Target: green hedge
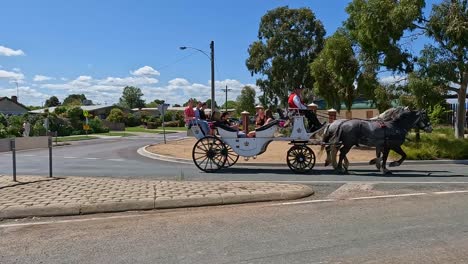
{"x": 440, "y": 144}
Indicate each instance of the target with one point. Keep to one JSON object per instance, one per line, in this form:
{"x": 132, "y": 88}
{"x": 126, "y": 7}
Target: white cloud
{"x": 394, "y": 79}
{"x": 4, "y": 51}
{"x": 41, "y": 78}
{"x": 145, "y": 71}
{"x": 11, "y": 75}
{"x": 27, "y": 95}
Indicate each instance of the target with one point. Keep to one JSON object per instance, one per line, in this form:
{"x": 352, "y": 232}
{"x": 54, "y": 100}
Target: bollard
{"x": 245, "y": 121}
{"x": 331, "y": 115}
{"x": 50, "y": 156}
{"x": 13, "y": 152}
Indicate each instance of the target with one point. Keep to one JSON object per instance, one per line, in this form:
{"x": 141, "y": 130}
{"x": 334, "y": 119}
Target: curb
{"x": 143, "y": 152}
{"x": 151, "y": 203}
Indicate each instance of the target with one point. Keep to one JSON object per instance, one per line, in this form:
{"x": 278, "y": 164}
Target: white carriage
{"x": 211, "y": 153}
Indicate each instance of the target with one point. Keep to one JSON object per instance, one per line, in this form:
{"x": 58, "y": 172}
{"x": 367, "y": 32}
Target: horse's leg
{"x": 400, "y": 151}
{"x": 328, "y": 158}
{"x": 384, "y": 169}
{"x": 343, "y": 151}
{"x": 346, "y": 163}
{"x": 377, "y": 160}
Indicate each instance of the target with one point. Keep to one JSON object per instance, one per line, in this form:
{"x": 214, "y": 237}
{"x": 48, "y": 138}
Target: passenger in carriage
{"x": 268, "y": 117}
{"x": 189, "y": 113}
{"x": 259, "y": 116}
{"x": 200, "y": 117}
{"x": 295, "y": 101}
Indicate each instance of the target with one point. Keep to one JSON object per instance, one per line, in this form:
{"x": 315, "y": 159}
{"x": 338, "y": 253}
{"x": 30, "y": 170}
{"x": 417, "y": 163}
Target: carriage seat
{"x": 227, "y": 131}
{"x": 267, "y": 130}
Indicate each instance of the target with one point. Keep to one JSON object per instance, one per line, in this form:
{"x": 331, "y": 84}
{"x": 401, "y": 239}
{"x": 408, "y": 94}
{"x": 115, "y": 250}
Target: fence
{"x": 25, "y": 143}
{"x": 452, "y": 115}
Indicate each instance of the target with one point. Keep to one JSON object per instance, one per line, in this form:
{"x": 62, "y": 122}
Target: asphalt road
{"x": 118, "y": 158}
{"x": 425, "y": 229}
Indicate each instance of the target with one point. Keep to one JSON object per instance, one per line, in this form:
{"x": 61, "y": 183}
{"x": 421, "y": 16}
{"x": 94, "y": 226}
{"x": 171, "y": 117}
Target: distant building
{"x": 10, "y": 106}
{"x": 101, "y": 111}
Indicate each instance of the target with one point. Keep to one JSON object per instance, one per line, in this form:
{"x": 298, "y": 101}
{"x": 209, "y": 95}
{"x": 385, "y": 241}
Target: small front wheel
{"x": 300, "y": 158}
{"x": 208, "y": 154}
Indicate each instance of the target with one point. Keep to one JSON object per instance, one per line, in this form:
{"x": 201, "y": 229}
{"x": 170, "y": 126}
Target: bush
{"x": 171, "y": 124}
{"x": 153, "y": 124}
{"x": 116, "y": 115}
{"x": 3, "y": 131}
{"x": 59, "y": 110}
{"x": 132, "y": 121}
{"x": 3, "y": 120}
{"x": 440, "y": 144}
{"x": 38, "y": 129}
{"x": 75, "y": 115}
{"x": 96, "y": 126}
{"x": 437, "y": 114}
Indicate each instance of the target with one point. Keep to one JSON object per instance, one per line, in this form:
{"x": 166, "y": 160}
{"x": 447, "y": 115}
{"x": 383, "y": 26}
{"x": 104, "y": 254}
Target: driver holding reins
{"x": 295, "y": 101}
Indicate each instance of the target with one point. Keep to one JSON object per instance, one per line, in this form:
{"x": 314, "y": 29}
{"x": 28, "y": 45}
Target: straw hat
{"x": 259, "y": 106}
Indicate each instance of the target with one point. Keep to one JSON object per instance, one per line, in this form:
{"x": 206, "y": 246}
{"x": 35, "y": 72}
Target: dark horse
{"x": 384, "y": 135}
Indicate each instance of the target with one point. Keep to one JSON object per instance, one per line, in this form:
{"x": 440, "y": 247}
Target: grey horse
{"x": 384, "y": 135}
{"x": 331, "y": 130}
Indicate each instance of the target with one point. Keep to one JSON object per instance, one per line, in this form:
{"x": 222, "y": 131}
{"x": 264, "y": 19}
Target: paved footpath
{"x": 43, "y": 196}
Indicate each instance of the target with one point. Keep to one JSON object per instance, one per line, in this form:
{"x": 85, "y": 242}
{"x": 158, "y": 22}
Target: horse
{"x": 331, "y": 130}
{"x": 384, "y": 135}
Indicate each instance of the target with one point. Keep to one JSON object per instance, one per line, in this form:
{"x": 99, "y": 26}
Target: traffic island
{"x": 43, "y": 196}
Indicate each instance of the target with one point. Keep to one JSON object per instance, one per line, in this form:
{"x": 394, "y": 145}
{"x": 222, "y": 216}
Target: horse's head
{"x": 424, "y": 122}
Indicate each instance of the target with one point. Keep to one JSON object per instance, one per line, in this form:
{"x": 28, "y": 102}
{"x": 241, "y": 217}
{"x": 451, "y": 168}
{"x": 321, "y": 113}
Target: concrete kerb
{"x": 143, "y": 152}
{"x": 300, "y": 191}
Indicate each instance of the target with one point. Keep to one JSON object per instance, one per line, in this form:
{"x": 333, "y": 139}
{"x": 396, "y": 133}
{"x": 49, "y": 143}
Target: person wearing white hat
{"x": 295, "y": 101}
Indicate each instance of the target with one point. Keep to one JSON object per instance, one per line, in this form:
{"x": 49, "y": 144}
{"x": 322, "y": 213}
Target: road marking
{"x": 348, "y": 188}
{"x": 116, "y": 159}
{"x": 369, "y": 197}
{"x": 92, "y": 158}
{"x": 28, "y": 155}
{"x": 70, "y": 157}
{"x": 367, "y": 182}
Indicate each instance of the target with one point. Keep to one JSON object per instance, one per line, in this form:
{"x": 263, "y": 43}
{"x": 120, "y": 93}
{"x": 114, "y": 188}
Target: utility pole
{"x": 212, "y": 78}
{"x": 226, "y": 91}
{"x": 17, "y": 90}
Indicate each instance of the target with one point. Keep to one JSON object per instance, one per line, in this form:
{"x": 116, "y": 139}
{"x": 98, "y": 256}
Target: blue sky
{"x": 97, "y": 47}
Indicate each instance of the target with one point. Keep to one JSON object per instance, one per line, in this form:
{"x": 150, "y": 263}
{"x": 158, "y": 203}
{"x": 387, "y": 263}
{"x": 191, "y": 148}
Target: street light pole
{"x": 212, "y": 78}
{"x": 211, "y": 57}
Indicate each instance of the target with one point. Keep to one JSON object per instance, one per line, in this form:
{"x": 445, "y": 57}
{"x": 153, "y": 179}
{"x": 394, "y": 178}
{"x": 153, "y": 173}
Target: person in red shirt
{"x": 189, "y": 113}
{"x": 295, "y": 101}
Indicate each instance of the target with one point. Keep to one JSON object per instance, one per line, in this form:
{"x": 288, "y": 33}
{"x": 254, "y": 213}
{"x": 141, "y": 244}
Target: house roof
{"x": 20, "y": 104}
{"x": 84, "y": 107}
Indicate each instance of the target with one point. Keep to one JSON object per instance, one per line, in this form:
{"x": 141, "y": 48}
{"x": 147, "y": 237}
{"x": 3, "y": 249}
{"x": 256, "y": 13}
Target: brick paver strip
{"x": 42, "y": 196}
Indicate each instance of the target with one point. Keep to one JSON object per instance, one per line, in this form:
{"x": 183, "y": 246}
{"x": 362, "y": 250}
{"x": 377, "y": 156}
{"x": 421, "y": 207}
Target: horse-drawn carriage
{"x": 213, "y": 152}
{"x": 223, "y": 149}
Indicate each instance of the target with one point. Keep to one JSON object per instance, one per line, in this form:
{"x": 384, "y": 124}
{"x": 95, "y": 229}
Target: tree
{"x": 335, "y": 72}
{"x": 74, "y": 99}
{"x": 246, "y": 100}
{"x": 176, "y": 105}
{"x": 116, "y": 115}
{"x": 155, "y": 103}
{"x": 132, "y": 98}
{"x": 377, "y": 28}
{"x": 208, "y": 104}
{"x": 446, "y": 61}
{"x": 52, "y": 101}
{"x": 288, "y": 40}
{"x": 229, "y": 105}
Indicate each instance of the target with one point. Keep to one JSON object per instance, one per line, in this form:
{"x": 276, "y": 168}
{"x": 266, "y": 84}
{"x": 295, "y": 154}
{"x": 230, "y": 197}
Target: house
{"x": 102, "y": 111}
{"x": 10, "y": 106}
{"x": 361, "y": 108}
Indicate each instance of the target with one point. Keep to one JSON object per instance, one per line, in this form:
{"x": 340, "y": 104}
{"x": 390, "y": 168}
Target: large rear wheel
{"x": 300, "y": 158}
{"x": 207, "y": 154}
{"x": 231, "y": 156}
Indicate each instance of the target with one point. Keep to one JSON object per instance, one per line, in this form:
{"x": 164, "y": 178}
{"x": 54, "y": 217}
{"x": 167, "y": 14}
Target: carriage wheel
{"x": 207, "y": 154}
{"x": 300, "y": 158}
{"x": 231, "y": 156}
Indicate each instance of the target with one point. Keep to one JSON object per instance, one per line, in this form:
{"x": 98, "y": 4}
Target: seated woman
{"x": 267, "y": 116}
{"x": 223, "y": 121}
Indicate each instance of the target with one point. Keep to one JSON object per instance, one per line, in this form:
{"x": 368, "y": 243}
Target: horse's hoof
{"x": 372, "y": 161}
{"x": 326, "y": 164}
{"x": 394, "y": 164}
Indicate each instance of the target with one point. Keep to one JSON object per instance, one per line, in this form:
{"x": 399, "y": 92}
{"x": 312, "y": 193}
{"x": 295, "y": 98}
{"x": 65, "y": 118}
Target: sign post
{"x": 86, "y": 126}
{"x": 162, "y": 109}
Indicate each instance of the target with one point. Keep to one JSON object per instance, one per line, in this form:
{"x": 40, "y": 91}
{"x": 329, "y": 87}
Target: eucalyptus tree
{"x": 288, "y": 41}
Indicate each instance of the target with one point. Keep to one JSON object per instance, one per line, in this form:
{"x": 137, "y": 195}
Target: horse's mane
{"x": 391, "y": 113}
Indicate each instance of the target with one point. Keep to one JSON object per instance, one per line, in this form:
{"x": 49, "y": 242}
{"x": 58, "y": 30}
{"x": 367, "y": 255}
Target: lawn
{"x": 156, "y": 131}
{"x": 74, "y": 138}
{"x": 116, "y": 134}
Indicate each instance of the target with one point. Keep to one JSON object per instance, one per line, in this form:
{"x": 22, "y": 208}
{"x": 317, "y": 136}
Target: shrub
{"x": 3, "y": 131}
{"x": 96, "y": 126}
{"x": 132, "y": 121}
{"x": 60, "y": 110}
{"x": 171, "y": 124}
{"x": 116, "y": 115}
{"x": 3, "y": 120}
{"x": 153, "y": 124}
{"x": 75, "y": 115}
{"x": 38, "y": 129}
{"x": 437, "y": 114}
